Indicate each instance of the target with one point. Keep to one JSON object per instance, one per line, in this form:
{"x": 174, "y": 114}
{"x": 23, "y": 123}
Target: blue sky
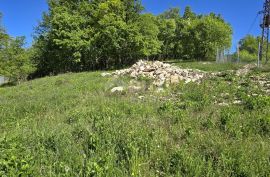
{"x": 21, "y": 16}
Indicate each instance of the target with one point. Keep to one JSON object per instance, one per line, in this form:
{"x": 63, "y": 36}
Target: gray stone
{"x": 117, "y": 89}
{"x": 237, "y": 102}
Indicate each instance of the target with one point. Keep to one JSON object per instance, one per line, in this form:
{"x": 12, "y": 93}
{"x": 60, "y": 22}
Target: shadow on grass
{"x": 8, "y": 84}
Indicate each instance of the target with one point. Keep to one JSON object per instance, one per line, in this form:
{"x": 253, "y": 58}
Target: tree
{"x": 167, "y": 26}
{"x": 149, "y": 30}
{"x": 199, "y": 37}
{"x": 210, "y": 33}
{"x": 250, "y": 44}
{"x": 248, "y": 48}
{"x": 193, "y": 36}
{"x": 172, "y": 13}
{"x": 188, "y": 14}
{"x": 3, "y": 35}
{"x": 167, "y": 36}
{"x": 184, "y": 44}
{"x": 133, "y": 8}
{"x": 88, "y": 35}
{"x": 15, "y": 61}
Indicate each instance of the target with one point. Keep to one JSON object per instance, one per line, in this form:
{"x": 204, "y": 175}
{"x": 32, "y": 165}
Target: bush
{"x": 245, "y": 56}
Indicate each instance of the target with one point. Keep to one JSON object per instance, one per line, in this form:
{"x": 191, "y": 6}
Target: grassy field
{"x": 207, "y": 66}
{"x": 72, "y": 125}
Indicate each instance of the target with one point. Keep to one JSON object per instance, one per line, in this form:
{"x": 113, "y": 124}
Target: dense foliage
{"x": 15, "y": 60}
{"x": 192, "y": 36}
{"x": 103, "y": 34}
{"x": 248, "y": 48}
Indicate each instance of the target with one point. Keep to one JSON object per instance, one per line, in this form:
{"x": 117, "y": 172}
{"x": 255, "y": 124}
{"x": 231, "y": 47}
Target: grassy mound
{"x": 72, "y": 125}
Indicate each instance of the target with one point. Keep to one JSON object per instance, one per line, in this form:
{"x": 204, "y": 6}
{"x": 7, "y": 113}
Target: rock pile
{"x": 161, "y": 73}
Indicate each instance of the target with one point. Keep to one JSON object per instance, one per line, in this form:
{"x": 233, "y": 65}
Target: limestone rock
{"x": 134, "y": 88}
{"x": 237, "y": 102}
{"x": 141, "y": 97}
{"x": 117, "y": 89}
{"x": 174, "y": 79}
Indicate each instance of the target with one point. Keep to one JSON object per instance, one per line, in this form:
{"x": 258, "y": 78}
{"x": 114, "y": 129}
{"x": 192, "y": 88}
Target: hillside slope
{"x": 72, "y": 125}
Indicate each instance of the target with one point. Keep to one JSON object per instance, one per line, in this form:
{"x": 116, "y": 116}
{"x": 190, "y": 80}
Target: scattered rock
{"x": 141, "y": 97}
{"x": 223, "y": 104}
{"x": 134, "y": 88}
{"x": 117, "y": 89}
{"x": 237, "y": 102}
{"x": 245, "y": 70}
{"x": 160, "y": 90}
{"x": 206, "y": 63}
{"x": 225, "y": 95}
{"x": 262, "y": 81}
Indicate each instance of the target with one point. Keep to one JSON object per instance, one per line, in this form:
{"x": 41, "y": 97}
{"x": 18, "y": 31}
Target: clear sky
{"x": 21, "y": 16}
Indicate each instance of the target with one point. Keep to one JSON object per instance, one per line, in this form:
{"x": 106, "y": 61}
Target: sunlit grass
{"x": 72, "y": 125}
{"x": 207, "y": 66}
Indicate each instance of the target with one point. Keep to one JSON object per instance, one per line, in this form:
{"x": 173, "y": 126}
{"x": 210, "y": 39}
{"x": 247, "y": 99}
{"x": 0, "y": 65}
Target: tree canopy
{"x": 15, "y": 61}
{"x": 193, "y": 36}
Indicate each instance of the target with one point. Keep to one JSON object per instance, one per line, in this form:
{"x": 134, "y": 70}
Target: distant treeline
{"x": 82, "y": 35}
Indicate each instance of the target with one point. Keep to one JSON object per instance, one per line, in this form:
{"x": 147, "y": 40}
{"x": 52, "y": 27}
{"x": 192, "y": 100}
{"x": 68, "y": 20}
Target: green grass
{"x": 207, "y": 66}
{"x": 71, "y": 125}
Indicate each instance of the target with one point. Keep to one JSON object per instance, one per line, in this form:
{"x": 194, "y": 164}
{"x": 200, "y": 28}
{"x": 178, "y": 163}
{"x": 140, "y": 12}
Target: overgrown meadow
{"x": 72, "y": 125}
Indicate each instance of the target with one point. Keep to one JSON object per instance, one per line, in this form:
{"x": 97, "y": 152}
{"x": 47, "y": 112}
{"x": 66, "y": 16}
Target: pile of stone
{"x": 161, "y": 73}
